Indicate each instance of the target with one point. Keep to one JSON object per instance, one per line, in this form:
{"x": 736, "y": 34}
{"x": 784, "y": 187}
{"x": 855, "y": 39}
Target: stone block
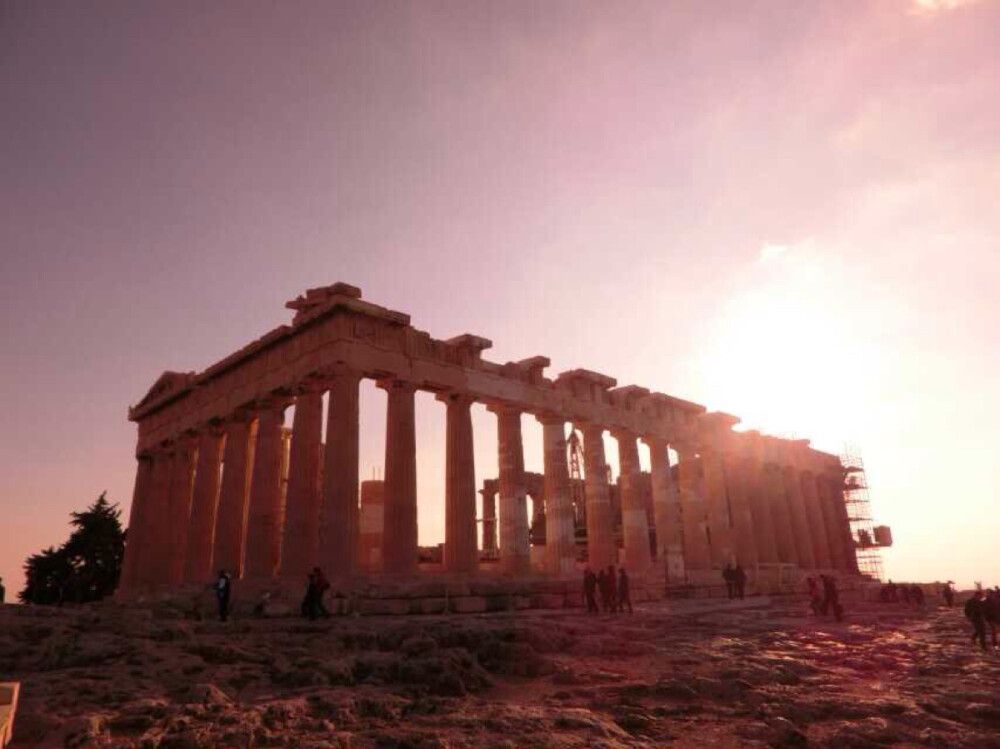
{"x": 468, "y": 605}
{"x": 382, "y": 606}
{"x": 547, "y": 601}
{"x": 431, "y": 605}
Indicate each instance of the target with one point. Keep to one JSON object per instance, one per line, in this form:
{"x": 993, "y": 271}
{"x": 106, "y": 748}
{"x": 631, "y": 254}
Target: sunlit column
{"x": 719, "y": 523}
{"x": 515, "y": 556}
{"x": 179, "y": 508}
{"x": 230, "y": 524}
{"x": 263, "y": 548}
{"x": 740, "y": 512}
{"x": 666, "y": 511}
{"x": 834, "y": 540}
{"x": 300, "y": 544}
{"x": 601, "y": 548}
{"x": 817, "y": 523}
{"x": 155, "y": 554}
{"x": 399, "y": 550}
{"x": 204, "y": 506}
{"x": 797, "y": 510}
{"x": 697, "y": 555}
{"x": 765, "y": 542}
{"x": 635, "y": 521}
{"x": 138, "y": 525}
{"x": 560, "y": 528}
{"x": 461, "y": 552}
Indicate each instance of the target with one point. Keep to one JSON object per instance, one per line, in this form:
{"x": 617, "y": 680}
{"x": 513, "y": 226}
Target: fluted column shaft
{"x": 560, "y": 528}
{"x": 204, "y": 506}
{"x": 230, "y": 524}
{"x": 489, "y": 522}
{"x": 601, "y": 547}
{"x": 800, "y": 522}
{"x": 635, "y": 521}
{"x": 155, "y": 554}
{"x": 834, "y": 540}
{"x": 300, "y": 544}
{"x": 763, "y": 518}
{"x": 265, "y": 516}
{"x": 666, "y": 511}
{"x": 719, "y": 522}
{"x": 515, "y": 551}
{"x": 399, "y": 548}
{"x": 740, "y": 511}
{"x": 138, "y": 525}
{"x": 339, "y": 517}
{"x": 697, "y": 554}
{"x": 461, "y": 552}
{"x": 179, "y": 509}
{"x": 816, "y": 521}
{"x": 784, "y": 530}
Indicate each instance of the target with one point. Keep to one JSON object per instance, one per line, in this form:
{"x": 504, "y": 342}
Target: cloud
{"x": 769, "y": 252}
{"x": 935, "y": 6}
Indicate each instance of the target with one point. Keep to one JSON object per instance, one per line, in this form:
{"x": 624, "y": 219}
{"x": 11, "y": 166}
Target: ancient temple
{"x": 223, "y": 482}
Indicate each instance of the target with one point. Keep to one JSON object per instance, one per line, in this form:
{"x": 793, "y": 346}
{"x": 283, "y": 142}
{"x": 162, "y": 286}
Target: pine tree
{"x": 86, "y": 567}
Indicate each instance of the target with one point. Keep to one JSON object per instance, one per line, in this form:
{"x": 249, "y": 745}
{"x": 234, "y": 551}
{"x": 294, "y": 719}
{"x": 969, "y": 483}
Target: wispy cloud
{"x": 769, "y": 251}
{"x": 936, "y": 6}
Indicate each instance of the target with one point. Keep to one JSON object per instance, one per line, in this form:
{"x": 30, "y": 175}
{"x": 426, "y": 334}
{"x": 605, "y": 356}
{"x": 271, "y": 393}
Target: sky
{"x": 786, "y": 211}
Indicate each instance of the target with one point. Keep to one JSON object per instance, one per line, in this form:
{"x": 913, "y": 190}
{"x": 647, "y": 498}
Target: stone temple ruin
{"x": 222, "y": 483}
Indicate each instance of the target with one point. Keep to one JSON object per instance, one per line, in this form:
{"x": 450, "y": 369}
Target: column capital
{"x": 547, "y": 418}
{"x": 458, "y": 398}
{"x": 623, "y": 434}
{"x": 273, "y": 402}
{"x": 499, "y": 408}
{"x": 589, "y": 427}
{"x": 396, "y": 384}
{"x": 335, "y": 372}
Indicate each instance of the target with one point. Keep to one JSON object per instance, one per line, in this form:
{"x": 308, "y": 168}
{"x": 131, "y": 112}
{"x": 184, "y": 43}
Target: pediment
{"x": 166, "y": 383}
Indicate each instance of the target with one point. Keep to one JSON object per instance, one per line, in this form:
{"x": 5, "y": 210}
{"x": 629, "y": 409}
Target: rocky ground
{"x": 681, "y": 674}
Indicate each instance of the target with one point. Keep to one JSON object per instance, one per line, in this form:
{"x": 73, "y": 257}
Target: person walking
{"x": 223, "y": 591}
{"x": 322, "y": 585}
{"x": 991, "y": 610}
{"x": 589, "y": 589}
{"x": 975, "y": 612}
{"x": 949, "y": 594}
{"x": 727, "y": 575}
{"x": 612, "y": 589}
{"x": 831, "y": 598}
{"x": 3, "y": 592}
{"x": 739, "y": 581}
{"x": 624, "y": 595}
{"x": 309, "y": 607}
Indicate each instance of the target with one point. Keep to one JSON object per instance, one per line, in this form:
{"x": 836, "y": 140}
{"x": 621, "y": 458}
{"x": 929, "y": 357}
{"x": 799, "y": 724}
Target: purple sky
{"x": 788, "y": 211}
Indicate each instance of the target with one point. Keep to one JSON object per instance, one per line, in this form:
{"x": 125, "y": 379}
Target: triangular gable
{"x": 166, "y": 383}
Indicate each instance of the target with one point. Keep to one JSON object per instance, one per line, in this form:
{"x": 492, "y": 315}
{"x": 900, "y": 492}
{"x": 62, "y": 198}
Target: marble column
{"x": 666, "y": 511}
{"x": 601, "y": 547}
{"x": 340, "y": 517}
{"x": 461, "y": 547}
{"x": 800, "y": 523}
{"x": 763, "y": 519}
{"x": 834, "y": 540}
{"x": 138, "y": 525}
{"x": 204, "y": 506}
{"x": 179, "y": 509}
{"x": 230, "y": 524}
{"x": 697, "y": 554}
{"x": 740, "y": 511}
{"x": 635, "y": 522}
{"x": 817, "y": 523}
{"x": 723, "y": 550}
{"x": 399, "y": 550}
{"x": 155, "y": 553}
{"x": 265, "y": 516}
{"x": 490, "y": 522}
{"x": 300, "y": 543}
{"x": 560, "y": 527}
{"x": 777, "y": 497}
{"x": 515, "y": 551}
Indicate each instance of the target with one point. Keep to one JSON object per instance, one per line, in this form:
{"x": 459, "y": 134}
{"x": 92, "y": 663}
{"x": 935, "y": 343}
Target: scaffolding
{"x": 869, "y": 539}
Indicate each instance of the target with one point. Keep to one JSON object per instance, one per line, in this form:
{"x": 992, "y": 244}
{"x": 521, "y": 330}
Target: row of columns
{"x": 190, "y": 517}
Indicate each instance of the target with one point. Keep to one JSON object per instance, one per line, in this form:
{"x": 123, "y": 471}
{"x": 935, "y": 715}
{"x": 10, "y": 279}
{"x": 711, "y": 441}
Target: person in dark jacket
{"x": 831, "y": 598}
{"x": 992, "y": 612}
{"x": 727, "y": 575}
{"x": 624, "y": 596}
{"x": 613, "y": 589}
{"x": 739, "y": 581}
{"x": 949, "y": 595}
{"x": 975, "y": 612}
{"x": 589, "y": 590}
{"x": 310, "y": 607}
{"x": 223, "y": 591}
{"x": 322, "y": 586}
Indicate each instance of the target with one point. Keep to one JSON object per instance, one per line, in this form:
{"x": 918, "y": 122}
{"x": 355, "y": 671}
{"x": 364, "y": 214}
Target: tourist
{"x": 949, "y": 594}
{"x": 727, "y": 575}
{"x": 917, "y": 596}
{"x": 3, "y": 591}
{"x": 815, "y": 598}
{"x": 223, "y": 590}
{"x": 322, "y": 585}
{"x": 589, "y": 589}
{"x": 739, "y": 581}
{"x": 992, "y": 613}
{"x": 602, "y": 588}
{"x": 892, "y": 592}
{"x": 624, "y": 595}
{"x": 831, "y": 598}
{"x": 310, "y": 606}
{"x": 612, "y": 590}
{"x": 975, "y": 612}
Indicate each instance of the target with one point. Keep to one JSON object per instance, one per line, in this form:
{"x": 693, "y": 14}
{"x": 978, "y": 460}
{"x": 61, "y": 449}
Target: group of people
{"x": 983, "y": 610}
{"x": 613, "y": 590}
{"x": 312, "y": 605}
{"x": 824, "y": 598}
{"x": 908, "y": 594}
{"x": 736, "y": 581}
